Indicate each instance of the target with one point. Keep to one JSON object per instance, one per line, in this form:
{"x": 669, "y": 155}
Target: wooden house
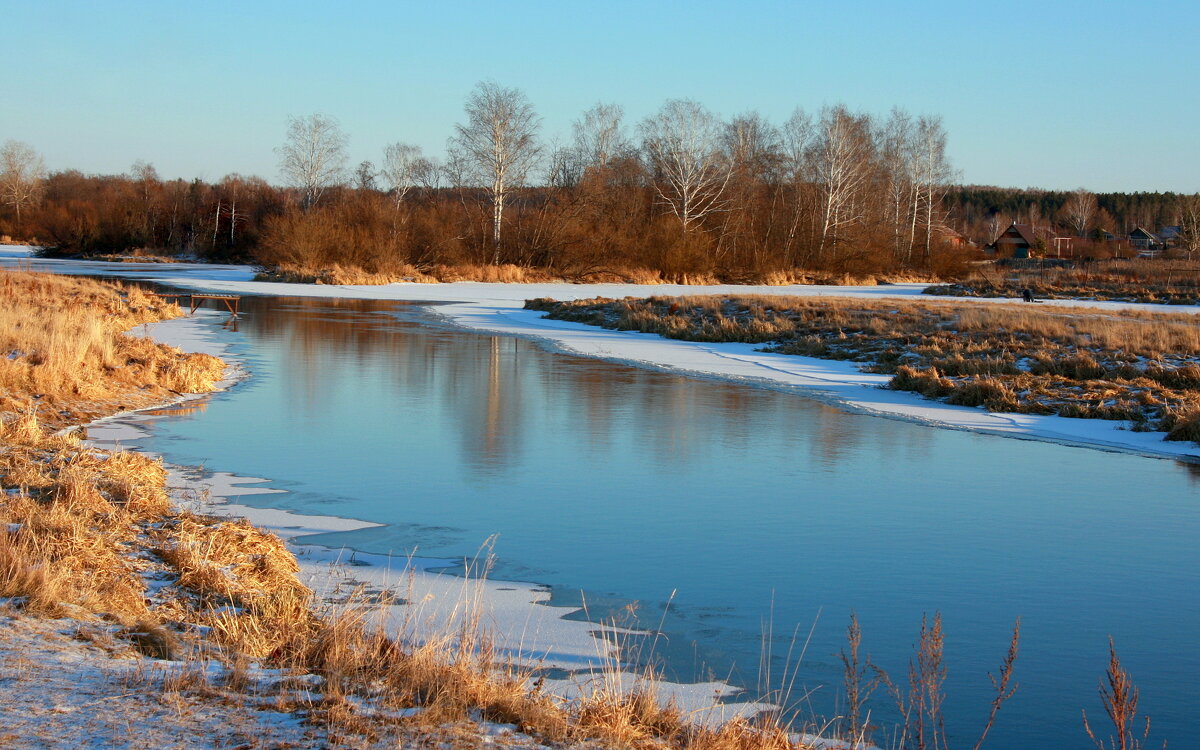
{"x": 1017, "y": 241}
{"x": 1145, "y": 242}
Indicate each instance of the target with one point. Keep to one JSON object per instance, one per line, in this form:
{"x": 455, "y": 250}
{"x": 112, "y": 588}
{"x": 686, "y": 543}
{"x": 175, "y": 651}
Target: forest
{"x": 681, "y": 196}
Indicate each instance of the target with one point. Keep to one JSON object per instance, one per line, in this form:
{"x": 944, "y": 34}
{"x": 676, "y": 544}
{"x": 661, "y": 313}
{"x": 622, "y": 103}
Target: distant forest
{"x": 687, "y": 197}
{"x": 980, "y": 212}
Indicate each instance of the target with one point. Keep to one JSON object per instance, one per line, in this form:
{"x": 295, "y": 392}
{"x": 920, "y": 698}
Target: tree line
{"x": 681, "y": 195}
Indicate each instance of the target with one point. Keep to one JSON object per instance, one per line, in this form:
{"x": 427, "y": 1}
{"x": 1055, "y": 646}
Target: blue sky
{"x": 1047, "y": 94}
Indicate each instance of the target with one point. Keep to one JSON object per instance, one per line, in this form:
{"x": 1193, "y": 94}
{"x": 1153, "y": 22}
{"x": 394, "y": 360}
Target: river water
{"x": 737, "y": 510}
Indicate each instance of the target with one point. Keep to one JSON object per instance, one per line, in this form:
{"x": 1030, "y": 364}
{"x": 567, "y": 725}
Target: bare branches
{"x": 402, "y": 167}
{"x": 599, "y": 137}
{"x": 499, "y": 143}
{"x": 842, "y": 157}
{"x": 21, "y": 175}
{"x": 682, "y": 145}
{"x": 314, "y": 156}
{"x": 1079, "y": 210}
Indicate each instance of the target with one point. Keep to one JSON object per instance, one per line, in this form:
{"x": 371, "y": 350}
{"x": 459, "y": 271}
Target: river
{"x": 724, "y": 511}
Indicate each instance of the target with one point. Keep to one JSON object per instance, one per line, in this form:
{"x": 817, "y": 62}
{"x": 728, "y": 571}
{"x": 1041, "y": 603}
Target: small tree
{"x": 21, "y": 175}
{"x": 1189, "y": 226}
{"x": 683, "y": 147}
{"x": 314, "y": 157}
{"x": 402, "y": 163}
{"x": 499, "y": 144}
{"x": 1079, "y": 210}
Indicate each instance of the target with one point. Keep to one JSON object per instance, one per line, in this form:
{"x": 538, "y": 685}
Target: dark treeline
{"x": 682, "y": 196}
{"x": 980, "y": 212}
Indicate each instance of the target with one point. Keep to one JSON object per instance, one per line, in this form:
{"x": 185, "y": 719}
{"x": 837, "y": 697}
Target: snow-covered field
{"x": 497, "y": 308}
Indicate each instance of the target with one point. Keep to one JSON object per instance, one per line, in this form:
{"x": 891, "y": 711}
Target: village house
{"x": 1147, "y": 244}
{"x": 1017, "y": 241}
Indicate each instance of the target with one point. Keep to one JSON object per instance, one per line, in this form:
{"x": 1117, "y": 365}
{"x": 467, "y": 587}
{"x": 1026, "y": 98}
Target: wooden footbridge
{"x": 194, "y": 300}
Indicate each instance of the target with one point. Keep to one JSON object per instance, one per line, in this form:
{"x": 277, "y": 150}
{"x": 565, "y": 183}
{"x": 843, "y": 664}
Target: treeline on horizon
{"x": 683, "y": 196}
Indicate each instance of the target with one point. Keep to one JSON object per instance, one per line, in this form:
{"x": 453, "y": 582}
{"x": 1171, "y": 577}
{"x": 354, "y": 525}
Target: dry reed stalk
{"x": 1120, "y": 699}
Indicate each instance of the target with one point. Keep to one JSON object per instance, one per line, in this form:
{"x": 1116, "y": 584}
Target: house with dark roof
{"x": 1145, "y": 242}
{"x": 1018, "y": 241}
{"x": 1169, "y": 235}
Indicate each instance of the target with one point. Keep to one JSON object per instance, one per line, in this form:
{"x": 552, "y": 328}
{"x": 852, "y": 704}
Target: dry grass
{"x": 62, "y": 346}
{"x": 1136, "y": 366}
{"x": 513, "y": 274}
{"x": 82, "y": 531}
{"x": 1171, "y": 282}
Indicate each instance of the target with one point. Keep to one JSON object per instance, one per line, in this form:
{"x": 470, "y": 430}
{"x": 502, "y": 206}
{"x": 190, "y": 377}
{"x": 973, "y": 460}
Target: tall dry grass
{"x": 63, "y": 347}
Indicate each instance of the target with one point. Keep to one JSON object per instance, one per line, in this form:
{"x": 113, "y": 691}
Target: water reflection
{"x": 754, "y": 505}
{"x": 494, "y": 386}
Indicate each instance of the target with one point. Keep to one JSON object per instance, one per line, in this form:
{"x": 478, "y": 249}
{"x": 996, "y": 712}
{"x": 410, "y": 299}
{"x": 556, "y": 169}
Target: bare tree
{"x": 364, "y": 176}
{"x": 1079, "y": 210}
{"x": 21, "y": 175}
{"x": 599, "y": 136}
{"x": 842, "y": 155}
{"x": 564, "y": 166}
{"x": 933, "y": 173}
{"x": 683, "y": 146}
{"x": 400, "y": 167}
{"x": 314, "y": 157}
{"x": 798, "y": 135}
{"x": 898, "y": 159}
{"x": 1189, "y": 225}
{"x": 499, "y": 144}
{"x": 428, "y": 173}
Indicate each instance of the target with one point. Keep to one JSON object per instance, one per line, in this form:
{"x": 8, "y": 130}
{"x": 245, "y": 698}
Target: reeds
{"x": 63, "y": 350}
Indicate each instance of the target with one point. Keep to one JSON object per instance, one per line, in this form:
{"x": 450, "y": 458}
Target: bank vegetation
{"x": 1140, "y": 367}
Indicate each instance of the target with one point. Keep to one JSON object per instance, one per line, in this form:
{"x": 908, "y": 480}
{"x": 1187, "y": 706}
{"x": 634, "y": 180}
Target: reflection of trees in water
{"x": 500, "y": 392}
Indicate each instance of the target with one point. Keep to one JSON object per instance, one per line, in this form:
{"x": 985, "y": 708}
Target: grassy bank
{"x": 1167, "y": 282}
{"x": 1140, "y": 367}
{"x": 513, "y": 274}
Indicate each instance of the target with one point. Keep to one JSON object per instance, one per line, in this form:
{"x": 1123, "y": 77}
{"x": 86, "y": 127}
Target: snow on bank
{"x": 497, "y": 308}
{"x": 428, "y": 603}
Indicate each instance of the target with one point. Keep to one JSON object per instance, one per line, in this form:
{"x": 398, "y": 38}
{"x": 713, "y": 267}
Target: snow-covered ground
{"x": 497, "y": 308}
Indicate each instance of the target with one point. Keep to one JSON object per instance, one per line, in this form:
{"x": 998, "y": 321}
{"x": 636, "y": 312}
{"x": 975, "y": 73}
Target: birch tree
{"x": 599, "y": 137}
{"x": 1189, "y": 225}
{"x": 682, "y": 143}
{"x": 933, "y": 174}
{"x": 842, "y": 156}
{"x": 1079, "y": 210}
{"x": 898, "y": 158}
{"x": 22, "y": 172}
{"x": 314, "y": 156}
{"x": 798, "y": 135}
{"x": 499, "y": 144}
{"x": 402, "y": 163}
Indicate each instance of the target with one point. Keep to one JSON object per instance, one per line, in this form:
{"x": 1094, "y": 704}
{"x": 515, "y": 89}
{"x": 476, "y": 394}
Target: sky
{"x": 1050, "y": 94}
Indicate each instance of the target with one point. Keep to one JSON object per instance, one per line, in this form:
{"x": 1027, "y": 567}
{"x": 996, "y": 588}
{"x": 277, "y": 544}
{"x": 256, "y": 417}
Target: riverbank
{"x": 498, "y": 308}
{"x": 1137, "y": 368}
{"x": 96, "y": 551}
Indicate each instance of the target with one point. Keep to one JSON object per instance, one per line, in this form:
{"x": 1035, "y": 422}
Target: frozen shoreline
{"x": 516, "y": 615}
{"x": 498, "y": 308}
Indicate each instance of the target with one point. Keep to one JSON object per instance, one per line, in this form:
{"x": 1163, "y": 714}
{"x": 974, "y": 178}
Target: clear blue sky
{"x": 1048, "y": 94}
